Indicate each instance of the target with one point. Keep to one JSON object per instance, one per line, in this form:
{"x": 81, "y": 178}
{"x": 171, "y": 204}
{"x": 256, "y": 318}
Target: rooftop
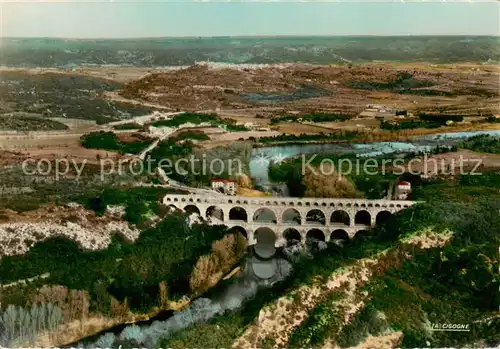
{"x": 222, "y": 180}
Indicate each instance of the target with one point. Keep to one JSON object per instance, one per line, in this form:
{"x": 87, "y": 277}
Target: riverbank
{"x": 263, "y": 157}
{"x": 378, "y": 135}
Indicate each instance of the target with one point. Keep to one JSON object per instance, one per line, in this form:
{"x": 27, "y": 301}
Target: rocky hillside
{"x": 309, "y": 88}
{"x": 18, "y": 233}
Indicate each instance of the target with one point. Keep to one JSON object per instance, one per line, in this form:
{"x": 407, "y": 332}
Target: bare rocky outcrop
{"x": 20, "y": 232}
{"x": 429, "y": 239}
{"x": 384, "y": 341}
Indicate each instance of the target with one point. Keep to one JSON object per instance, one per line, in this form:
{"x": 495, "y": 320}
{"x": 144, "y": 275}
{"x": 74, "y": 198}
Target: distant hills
{"x": 66, "y": 53}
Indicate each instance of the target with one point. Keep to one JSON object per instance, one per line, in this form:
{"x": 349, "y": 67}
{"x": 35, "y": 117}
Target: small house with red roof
{"x": 226, "y": 186}
{"x": 403, "y": 189}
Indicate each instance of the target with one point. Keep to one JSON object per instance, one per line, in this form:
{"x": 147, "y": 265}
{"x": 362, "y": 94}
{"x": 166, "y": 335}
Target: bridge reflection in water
{"x": 289, "y": 218}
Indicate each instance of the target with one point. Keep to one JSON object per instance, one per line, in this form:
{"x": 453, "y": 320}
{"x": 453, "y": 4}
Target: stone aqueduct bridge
{"x": 290, "y": 218}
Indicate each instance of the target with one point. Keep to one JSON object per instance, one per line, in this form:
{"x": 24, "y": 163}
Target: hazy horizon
{"x": 242, "y": 36}
{"x": 78, "y": 19}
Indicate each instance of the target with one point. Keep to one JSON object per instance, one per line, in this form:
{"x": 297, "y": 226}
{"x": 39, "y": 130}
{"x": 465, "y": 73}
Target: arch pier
{"x": 290, "y": 218}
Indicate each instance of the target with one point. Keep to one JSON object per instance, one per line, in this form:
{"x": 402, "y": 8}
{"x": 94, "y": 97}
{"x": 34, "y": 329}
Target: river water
{"x": 262, "y": 157}
{"x": 243, "y": 288}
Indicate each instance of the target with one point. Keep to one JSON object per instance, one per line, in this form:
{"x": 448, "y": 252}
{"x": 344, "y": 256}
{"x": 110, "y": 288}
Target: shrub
{"x": 314, "y": 117}
{"x": 109, "y": 141}
{"x": 19, "y": 325}
{"x": 127, "y": 126}
{"x": 185, "y": 118}
{"x": 225, "y": 253}
{"x": 482, "y": 143}
{"x": 138, "y": 201}
{"x": 408, "y": 125}
{"x": 322, "y": 322}
{"x": 493, "y": 119}
{"x": 440, "y": 118}
{"x": 194, "y": 135}
{"x": 338, "y": 136}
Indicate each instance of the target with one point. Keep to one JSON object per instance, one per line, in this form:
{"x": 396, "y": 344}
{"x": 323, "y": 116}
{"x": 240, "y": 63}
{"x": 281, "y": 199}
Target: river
{"x": 262, "y": 157}
{"x": 148, "y": 333}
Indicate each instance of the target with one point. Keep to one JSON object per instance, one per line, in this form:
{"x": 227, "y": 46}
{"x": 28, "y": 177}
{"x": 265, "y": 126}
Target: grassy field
{"x": 54, "y": 95}
{"x": 27, "y": 122}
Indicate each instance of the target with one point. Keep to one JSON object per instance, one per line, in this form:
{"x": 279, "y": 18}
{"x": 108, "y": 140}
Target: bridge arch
{"x": 238, "y": 213}
{"x": 265, "y": 235}
{"x": 315, "y": 216}
{"x": 190, "y": 209}
{"x": 382, "y": 217}
{"x": 215, "y": 212}
{"x": 341, "y": 217}
{"x": 315, "y": 234}
{"x": 291, "y": 215}
{"x": 238, "y": 230}
{"x": 291, "y": 234}
{"x": 264, "y": 214}
{"x": 363, "y": 217}
{"x": 266, "y": 240}
{"x": 340, "y": 234}
{"x": 172, "y": 208}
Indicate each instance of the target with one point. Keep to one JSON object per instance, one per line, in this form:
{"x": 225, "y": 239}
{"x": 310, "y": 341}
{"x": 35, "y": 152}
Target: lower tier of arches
{"x": 285, "y": 236}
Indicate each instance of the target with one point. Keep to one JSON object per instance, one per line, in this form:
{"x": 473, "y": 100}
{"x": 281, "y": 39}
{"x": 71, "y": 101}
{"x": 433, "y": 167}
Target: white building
{"x": 403, "y": 190}
{"x": 160, "y": 131}
{"x": 225, "y": 186}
